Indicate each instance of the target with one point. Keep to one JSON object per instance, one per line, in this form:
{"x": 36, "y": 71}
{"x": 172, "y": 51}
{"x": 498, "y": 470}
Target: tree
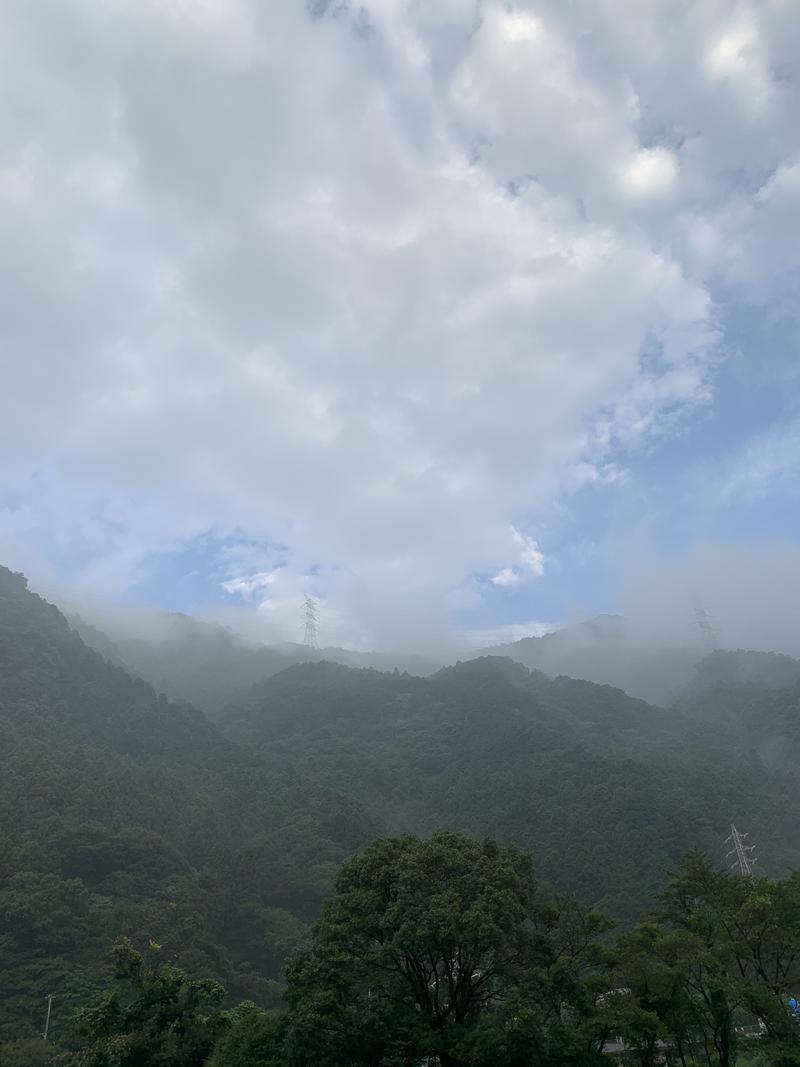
{"x": 250, "y": 1038}
{"x": 154, "y": 1017}
{"x": 722, "y": 951}
{"x": 445, "y": 948}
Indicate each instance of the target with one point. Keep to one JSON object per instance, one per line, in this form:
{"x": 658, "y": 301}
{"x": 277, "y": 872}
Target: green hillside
{"x": 121, "y": 812}
{"x": 606, "y": 792}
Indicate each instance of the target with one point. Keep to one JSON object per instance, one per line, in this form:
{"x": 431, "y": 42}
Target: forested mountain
{"x": 122, "y": 812}
{"x": 606, "y": 792}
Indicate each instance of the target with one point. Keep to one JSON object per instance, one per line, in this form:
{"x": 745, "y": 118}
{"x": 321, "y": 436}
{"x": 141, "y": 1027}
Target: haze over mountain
{"x": 611, "y": 650}
{"x": 206, "y": 663}
{"x": 121, "y": 809}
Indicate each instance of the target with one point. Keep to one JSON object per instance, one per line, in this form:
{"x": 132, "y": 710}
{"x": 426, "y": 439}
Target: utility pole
{"x": 49, "y": 999}
{"x": 743, "y": 863}
{"x": 310, "y": 638}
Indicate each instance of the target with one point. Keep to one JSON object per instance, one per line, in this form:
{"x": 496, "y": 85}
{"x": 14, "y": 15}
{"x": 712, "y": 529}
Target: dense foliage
{"x": 447, "y": 952}
{"x": 155, "y": 1016}
{"x": 442, "y": 949}
{"x": 216, "y": 843}
{"x": 710, "y": 974}
{"x": 491, "y": 749}
{"x": 121, "y": 812}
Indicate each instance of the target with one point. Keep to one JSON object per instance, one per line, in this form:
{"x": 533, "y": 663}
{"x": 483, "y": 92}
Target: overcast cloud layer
{"x": 364, "y": 299}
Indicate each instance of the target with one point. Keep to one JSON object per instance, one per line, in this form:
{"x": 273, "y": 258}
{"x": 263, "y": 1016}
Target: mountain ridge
{"x": 122, "y": 811}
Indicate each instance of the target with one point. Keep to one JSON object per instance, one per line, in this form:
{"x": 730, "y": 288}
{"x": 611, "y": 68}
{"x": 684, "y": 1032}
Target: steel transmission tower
{"x": 704, "y": 623}
{"x": 744, "y": 858}
{"x": 310, "y": 638}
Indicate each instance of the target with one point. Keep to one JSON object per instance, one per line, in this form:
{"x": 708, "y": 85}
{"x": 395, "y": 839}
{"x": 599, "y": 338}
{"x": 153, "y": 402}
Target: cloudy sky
{"x": 463, "y": 316}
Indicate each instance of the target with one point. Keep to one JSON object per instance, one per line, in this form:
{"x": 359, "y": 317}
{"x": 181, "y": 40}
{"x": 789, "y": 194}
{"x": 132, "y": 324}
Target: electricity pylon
{"x": 744, "y": 853}
{"x": 704, "y": 623}
{"x": 310, "y": 638}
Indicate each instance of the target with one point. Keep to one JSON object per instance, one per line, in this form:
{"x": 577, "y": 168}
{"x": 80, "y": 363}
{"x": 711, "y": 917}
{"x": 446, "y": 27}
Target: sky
{"x": 464, "y": 317}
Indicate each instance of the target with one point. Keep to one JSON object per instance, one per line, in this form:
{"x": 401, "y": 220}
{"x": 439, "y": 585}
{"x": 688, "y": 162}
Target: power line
{"x": 743, "y": 863}
{"x": 312, "y": 617}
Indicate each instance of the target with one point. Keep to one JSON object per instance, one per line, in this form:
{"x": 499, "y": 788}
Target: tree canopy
{"x": 445, "y": 948}
{"x": 154, "y": 1016}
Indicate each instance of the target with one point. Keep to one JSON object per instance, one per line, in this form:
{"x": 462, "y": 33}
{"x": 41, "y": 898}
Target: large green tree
{"x": 445, "y": 948}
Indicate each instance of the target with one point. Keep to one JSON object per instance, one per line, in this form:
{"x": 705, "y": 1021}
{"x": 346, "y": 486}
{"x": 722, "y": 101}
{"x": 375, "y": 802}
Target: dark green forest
{"x": 121, "y": 811}
{"x": 290, "y": 880}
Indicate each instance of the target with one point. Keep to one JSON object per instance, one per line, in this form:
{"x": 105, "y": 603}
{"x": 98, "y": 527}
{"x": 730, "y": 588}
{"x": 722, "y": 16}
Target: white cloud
{"x": 737, "y": 57}
{"x": 250, "y": 585}
{"x": 531, "y": 556}
{"x": 731, "y": 53}
{"x": 507, "y": 578}
{"x": 651, "y": 172}
{"x": 372, "y": 289}
{"x": 530, "y": 562}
